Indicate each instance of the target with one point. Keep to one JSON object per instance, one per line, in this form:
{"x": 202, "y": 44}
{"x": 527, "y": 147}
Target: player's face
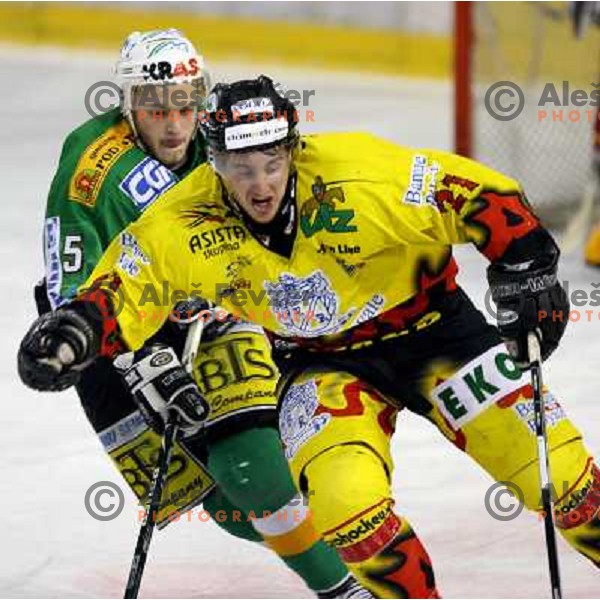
{"x": 257, "y": 180}
{"x": 166, "y": 119}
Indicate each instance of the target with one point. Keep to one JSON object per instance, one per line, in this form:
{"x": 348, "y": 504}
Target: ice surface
{"x": 51, "y": 547}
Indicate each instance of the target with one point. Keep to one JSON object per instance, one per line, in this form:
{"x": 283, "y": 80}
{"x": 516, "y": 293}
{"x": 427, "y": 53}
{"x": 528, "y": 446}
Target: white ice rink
{"x": 50, "y": 547}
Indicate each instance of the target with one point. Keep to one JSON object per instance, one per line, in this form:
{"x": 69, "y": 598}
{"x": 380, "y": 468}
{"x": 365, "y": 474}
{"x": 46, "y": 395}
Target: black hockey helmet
{"x": 248, "y": 115}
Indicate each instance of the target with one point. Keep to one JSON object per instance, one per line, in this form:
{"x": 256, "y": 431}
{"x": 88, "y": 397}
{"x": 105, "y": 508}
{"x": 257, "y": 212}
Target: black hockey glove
{"x": 529, "y": 298}
{"x": 57, "y": 347}
{"x": 160, "y": 385}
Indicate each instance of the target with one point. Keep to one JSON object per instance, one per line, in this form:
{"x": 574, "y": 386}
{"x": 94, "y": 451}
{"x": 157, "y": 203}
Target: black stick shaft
{"x": 140, "y": 555}
{"x": 147, "y": 529}
{"x": 544, "y": 465}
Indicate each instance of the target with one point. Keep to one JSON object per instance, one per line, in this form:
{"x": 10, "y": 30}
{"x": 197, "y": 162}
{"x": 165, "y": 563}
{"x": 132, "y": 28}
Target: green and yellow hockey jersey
{"x": 103, "y": 182}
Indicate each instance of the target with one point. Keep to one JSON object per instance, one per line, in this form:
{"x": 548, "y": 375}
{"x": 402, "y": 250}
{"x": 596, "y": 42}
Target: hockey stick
{"x": 539, "y": 408}
{"x": 160, "y": 471}
{"x": 145, "y": 536}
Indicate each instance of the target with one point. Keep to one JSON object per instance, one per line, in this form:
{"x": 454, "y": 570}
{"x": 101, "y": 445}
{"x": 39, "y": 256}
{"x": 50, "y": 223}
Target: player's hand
{"x": 187, "y": 311}
{"x": 56, "y": 349}
{"x": 160, "y": 385}
{"x": 529, "y": 298}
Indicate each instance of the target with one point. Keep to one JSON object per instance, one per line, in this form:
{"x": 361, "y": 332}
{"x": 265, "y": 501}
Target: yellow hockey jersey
{"x": 376, "y": 222}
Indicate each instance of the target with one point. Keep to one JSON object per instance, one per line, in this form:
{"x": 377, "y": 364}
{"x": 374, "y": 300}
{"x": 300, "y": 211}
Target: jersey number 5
{"x": 73, "y": 253}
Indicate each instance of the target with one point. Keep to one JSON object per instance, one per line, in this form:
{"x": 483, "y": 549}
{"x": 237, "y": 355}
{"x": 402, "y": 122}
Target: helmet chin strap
{"x": 128, "y": 114}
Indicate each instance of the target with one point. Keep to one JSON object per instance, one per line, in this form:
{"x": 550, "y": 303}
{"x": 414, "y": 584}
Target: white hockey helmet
{"x": 158, "y": 57}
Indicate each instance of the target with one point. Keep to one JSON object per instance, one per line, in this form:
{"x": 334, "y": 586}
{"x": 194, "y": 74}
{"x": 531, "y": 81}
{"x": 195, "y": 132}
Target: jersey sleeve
{"x": 143, "y": 278}
{"x": 453, "y": 200}
{"x": 75, "y": 231}
{"x": 72, "y": 246}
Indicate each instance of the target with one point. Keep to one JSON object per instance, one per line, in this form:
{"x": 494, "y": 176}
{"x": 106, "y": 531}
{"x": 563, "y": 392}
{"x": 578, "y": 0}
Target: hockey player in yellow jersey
{"x": 228, "y": 456}
{"x": 340, "y": 246}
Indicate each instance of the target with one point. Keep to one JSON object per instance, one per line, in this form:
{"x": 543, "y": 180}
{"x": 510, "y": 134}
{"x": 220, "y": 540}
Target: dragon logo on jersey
{"x": 206, "y": 212}
{"x": 146, "y": 182}
{"x": 306, "y": 306}
{"x": 297, "y": 420}
{"x": 319, "y": 212}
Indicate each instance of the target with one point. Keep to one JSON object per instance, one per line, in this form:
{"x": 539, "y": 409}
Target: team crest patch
{"x": 146, "y": 182}
{"x": 306, "y": 306}
{"x": 320, "y": 212}
{"x": 84, "y": 186}
{"x": 297, "y": 420}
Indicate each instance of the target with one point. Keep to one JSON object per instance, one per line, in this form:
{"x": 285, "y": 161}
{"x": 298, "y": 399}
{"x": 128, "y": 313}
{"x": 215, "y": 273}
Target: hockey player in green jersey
{"x": 112, "y": 169}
